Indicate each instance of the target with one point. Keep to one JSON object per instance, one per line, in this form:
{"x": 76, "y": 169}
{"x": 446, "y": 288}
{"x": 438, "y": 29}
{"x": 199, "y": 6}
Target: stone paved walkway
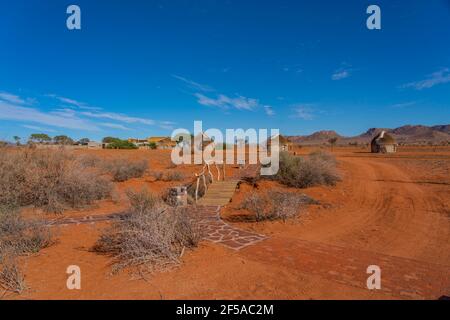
{"x": 214, "y": 228}
{"x": 217, "y": 231}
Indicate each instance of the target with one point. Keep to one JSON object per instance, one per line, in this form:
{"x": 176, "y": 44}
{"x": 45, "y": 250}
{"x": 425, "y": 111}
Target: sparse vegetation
{"x": 152, "y": 237}
{"x": 18, "y": 237}
{"x": 123, "y": 169}
{"x": 168, "y": 176}
{"x": 116, "y": 143}
{"x": 318, "y": 168}
{"x": 49, "y": 180}
{"x": 39, "y": 138}
{"x": 275, "y": 205}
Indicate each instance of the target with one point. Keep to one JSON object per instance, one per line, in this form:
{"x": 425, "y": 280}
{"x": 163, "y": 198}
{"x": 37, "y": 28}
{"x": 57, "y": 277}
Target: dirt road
{"x": 387, "y": 220}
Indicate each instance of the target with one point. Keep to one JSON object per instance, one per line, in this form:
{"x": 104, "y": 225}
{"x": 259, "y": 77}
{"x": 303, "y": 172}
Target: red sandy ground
{"x": 389, "y": 210}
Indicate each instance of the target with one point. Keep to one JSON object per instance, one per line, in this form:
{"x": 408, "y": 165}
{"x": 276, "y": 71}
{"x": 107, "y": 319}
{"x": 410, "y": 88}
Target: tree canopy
{"x": 64, "y": 140}
{"x": 40, "y": 137}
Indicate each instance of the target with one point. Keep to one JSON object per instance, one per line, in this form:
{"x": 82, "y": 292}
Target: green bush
{"x": 121, "y": 144}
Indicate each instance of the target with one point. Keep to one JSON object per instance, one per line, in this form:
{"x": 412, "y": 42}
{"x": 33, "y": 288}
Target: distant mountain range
{"x": 411, "y": 135}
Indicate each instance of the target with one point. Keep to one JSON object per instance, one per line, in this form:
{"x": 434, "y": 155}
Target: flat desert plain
{"x": 392, "y": 211}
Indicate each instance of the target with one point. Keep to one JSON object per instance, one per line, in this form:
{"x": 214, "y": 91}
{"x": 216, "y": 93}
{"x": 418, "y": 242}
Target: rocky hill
{"x": 413, "y": 135}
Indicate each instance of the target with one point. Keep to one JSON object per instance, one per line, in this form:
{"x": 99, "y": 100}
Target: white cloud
{"x": 74, "y": 115}
{"x": 269, "y": 111}
{"x": 115, "y": 126}
{"x": 117, "y": 117}
{"x": 193, "y": 84}
{"x": 168, "y": 125}
{"x": 9, "y": 111}
{"x": 340, "y": 74}
{"x": 303, "y": 111}
{"x": 8, "y": 97}
{"x": 404, "y": 105}
{"x": 73, "y": 102}
{"x": 225, "y": 102}
{"x": 38, "y": 128}
{"x": 343, "y": 72}
{"x": 439, "y": 77}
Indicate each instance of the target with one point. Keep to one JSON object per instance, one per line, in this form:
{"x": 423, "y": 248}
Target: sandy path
{"x": 400, "y": 219}
{"x": 397, "y": 226}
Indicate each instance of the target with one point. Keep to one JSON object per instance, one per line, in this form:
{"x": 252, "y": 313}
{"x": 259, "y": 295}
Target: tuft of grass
{"x": 11, "y": 276}
{"x": 18, "y": 237}
{"x": 168, "y": 176}
{"x": 275, "y": 205}
{"x": 152, "y": 237}
{"x": 123, "y": 170}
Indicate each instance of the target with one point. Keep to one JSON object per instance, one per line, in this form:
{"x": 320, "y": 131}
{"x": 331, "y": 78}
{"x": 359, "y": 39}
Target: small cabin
{"x": 383, "y": 143}
{"x": 284, "y": 143}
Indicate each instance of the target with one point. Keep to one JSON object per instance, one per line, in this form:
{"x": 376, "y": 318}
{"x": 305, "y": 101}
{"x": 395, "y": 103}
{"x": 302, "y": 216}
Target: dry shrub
{"x": 152, "y": 237}
{"x": 123, "y": 169}
{"x": 168, "y": 176}
{"x": 174, "y": 176}
{"x": 11, "y": 277}
{"x": 303, "y": 172}
{"x": 275, "y": 205}
{"x": 158, "y": 175}
{"x": 89, "y": 160}
{"x": 50, "y": 179}
{"x": 18, "y": 237}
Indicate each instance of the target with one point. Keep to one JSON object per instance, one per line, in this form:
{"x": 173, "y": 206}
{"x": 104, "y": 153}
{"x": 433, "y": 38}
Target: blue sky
{"x": 140, "y": 68}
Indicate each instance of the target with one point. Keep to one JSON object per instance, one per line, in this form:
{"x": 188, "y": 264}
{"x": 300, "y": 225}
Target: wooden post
{"x": 196, "y": 189}
{"x": 204, "y": 183}
{"x": 218, "y": 172}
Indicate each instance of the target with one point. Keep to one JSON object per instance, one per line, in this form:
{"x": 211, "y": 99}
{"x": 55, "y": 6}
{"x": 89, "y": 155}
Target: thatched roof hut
{"x": 383, "y": 143}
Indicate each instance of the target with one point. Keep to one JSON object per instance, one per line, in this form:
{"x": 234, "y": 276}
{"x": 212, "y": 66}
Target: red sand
{"x": 391, "y": 211}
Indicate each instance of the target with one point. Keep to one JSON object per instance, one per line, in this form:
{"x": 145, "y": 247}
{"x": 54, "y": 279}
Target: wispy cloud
{"x": 10, "y": 111}
{"x": 225, "y": 102}
{"x": 193, "y": 84}
{"x": 404, "y": 104}
{"x": 439, "y": 77}
{"x": 40, "y": 129}
{"x": 115, "y": 126}
{"x": 74, "y": 103}
{"x": 117, "y": 117}
{"x": 168, "y": 125}
{"x": 343, "y": 72}
{"x": 8, "y": 97}
{"x": 303, "y": 111}
{"x": 269, "y": 111}
{"x": 74, "y": 115}
{"x": 339, "y": 75}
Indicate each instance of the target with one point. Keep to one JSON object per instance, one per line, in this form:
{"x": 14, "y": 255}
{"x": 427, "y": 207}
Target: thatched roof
{"x": 383, "y": 138}
{"x": 282, "y": 139}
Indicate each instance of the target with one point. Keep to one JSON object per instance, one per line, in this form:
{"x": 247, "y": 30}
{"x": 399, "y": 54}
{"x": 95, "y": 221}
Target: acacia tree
{"x": 64, "y": 140}
{"x": 40, "y": 138}
{"x": 84, "y": 141}
{"x": 332, "y": 142}
{"x": 17, "y": 139}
